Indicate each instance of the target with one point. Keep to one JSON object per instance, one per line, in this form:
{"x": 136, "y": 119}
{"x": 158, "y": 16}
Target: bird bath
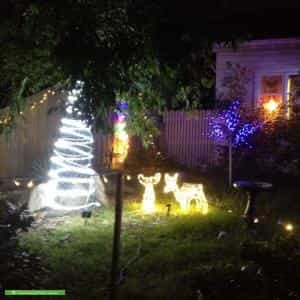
{"x": 253, "y": 188}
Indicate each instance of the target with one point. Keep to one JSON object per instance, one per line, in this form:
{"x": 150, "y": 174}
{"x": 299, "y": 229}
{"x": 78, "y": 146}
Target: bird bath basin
{"x": 253, "y": 188}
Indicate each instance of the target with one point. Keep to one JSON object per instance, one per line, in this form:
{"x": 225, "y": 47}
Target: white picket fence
{"x": 30, "y": 143}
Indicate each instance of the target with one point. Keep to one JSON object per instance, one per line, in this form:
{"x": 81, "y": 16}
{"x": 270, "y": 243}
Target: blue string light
{"x": 230, "y": 124}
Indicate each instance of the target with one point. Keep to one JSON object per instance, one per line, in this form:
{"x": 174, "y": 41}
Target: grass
{"x": 164, "y": 257}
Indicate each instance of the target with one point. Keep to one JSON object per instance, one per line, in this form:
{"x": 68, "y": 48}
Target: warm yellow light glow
{"x": 128, "y": 177}
{"x": 120, "y": 144}
{"x": 186, "y": 194}
{"x": 17, "y": 183}
{"x": 148, "y": 203}
{"x": 271, "y": 106}
{"x": 30, "y": 184}
{"x": 289, "y": 227}
{"x": 256, "y": 220}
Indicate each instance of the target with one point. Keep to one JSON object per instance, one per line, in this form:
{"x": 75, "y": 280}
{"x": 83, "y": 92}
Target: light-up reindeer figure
{"x": 148, "y": 204}
{"x": 186, "y": 193}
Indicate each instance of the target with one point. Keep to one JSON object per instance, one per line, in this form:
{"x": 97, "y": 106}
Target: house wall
{"x": 262, "y": 57}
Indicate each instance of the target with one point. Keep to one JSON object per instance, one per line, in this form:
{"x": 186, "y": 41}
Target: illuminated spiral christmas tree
{"x": 72, "y": 182}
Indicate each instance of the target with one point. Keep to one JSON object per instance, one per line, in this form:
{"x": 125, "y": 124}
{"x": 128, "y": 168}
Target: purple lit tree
{"x": 234, "y": 128}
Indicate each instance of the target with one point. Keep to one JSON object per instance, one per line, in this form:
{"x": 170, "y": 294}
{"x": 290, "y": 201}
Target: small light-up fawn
{"x": 186, "y": 193}
{"x": 148, "y": 204}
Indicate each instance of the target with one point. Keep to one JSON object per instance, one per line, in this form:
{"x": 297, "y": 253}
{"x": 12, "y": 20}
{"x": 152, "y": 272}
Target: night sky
{"x": 220, "y": 18}
{"x": 214, "y": 18}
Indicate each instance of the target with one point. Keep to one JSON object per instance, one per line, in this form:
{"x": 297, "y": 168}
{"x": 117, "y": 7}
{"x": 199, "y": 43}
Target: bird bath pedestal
{"x": 252, "y": 188}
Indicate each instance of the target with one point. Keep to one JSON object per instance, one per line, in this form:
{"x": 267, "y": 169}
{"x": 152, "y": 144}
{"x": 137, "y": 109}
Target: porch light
{"x": 289, "y": 227}
{"x": 271, "y": 106}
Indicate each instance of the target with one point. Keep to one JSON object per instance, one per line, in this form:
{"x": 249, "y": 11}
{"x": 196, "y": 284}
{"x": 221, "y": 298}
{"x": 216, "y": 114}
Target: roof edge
{"x": 292, "y": 42}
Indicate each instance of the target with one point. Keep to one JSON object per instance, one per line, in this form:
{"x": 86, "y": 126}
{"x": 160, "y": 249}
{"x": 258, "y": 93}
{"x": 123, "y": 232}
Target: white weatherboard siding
{"x": 262, "y": 58}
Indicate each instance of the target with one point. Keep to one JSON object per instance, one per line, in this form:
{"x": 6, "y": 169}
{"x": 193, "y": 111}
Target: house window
{"x": 271, "y": 89}
{"x": 293, "y": 96}
{"x": 280, "y": 91}
{"x": 271, "y": 94}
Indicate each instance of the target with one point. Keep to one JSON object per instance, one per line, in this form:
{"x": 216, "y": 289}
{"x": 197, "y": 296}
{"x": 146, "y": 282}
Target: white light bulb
{"x": 69, "y": 109}
{"x": 17, "y": 183}
{"x": 72, "y": 99}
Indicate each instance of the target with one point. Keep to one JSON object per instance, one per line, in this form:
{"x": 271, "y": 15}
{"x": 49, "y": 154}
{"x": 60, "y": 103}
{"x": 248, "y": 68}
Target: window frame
{"x": 285, "y": 85}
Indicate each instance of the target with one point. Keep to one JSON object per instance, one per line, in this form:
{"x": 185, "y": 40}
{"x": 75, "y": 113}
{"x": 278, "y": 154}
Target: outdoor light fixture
{"x": 289, "y": 227}
{"x": 30, "y": 184}
{"x": 148, "y": 203}
{"x": 186, "y": 193}
{"x": 271, "y": 106}
{"x": 105, "y": 179}
{"x": 17, "y": 183}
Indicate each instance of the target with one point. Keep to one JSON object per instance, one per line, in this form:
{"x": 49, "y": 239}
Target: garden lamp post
{"x": 117, "y": 237}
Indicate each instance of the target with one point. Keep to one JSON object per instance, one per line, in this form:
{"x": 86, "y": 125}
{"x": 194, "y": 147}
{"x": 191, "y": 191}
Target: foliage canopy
{"x": 131, "y": 49}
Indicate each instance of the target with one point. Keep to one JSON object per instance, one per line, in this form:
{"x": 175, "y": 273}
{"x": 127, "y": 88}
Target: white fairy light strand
{"x": 6, "y": 119}
{"x": 71, "y": 175}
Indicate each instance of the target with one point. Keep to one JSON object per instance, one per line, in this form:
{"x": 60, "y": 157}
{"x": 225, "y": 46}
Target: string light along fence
{"x": 30, "y": 135}
{"x": 27, "y": 146}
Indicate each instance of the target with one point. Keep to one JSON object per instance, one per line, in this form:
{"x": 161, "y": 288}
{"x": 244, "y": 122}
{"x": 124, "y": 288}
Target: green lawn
{"x": 166, "y": 257}
{"x": 173, "y": 257}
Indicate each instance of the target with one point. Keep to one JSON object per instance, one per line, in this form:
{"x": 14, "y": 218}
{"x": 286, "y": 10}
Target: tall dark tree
{"x": 157, "y": 54}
